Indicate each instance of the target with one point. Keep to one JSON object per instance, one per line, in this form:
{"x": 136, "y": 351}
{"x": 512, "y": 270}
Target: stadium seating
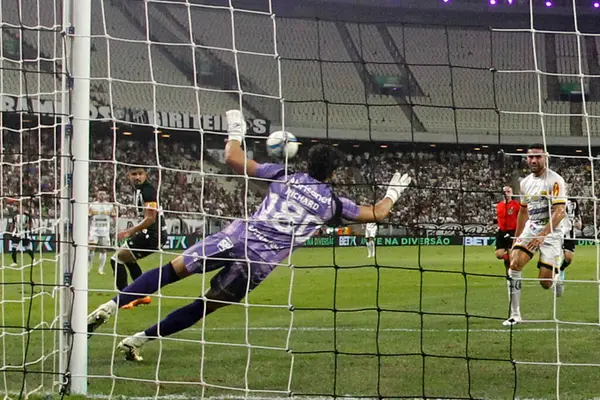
{"x": 458, "y": 90}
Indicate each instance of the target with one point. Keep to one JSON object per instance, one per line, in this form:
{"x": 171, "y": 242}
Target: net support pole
{"x": 80, "y": 107}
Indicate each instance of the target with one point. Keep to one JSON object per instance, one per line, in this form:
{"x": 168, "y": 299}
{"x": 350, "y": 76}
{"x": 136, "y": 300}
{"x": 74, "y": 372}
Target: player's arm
{"x": 522, "y": 215}
{"x": 382, "y": 208}
{"x": 113, "y": 216}
{"x": 559, "y": 207}
{"x": 235, "y": 156}
{"x": 150, "y": 214}
{"x": 578, "y": 221}
{"x": 558, "y": 213}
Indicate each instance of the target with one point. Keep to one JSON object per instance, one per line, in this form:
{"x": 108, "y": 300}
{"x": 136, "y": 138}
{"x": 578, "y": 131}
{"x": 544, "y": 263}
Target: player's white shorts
{"x": 551, "y": 250}
{"x": 370, "y": 233}
{"x": 102, "y": 241}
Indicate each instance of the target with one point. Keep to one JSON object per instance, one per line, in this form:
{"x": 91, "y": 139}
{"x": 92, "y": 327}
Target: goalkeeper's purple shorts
{"x": 228, "y": 251}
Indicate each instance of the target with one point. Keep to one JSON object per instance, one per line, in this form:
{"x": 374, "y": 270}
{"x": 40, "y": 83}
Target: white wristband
{"x": 393, "y": 197}
{"x": 236, "y": 136}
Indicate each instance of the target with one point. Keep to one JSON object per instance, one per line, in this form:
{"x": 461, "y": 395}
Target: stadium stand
{"x": 457, "y": 91}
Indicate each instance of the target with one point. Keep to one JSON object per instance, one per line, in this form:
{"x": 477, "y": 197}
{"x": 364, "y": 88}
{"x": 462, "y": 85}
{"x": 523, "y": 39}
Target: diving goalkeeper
{"x": 296, "y": 206}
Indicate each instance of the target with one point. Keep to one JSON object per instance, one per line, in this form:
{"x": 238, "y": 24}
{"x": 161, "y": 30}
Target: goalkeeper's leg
{"x": 190, "y": 262}
{"x": 227, "y": 287}
{"x": 146, "y": 284}
{"x": 178, "y": 320}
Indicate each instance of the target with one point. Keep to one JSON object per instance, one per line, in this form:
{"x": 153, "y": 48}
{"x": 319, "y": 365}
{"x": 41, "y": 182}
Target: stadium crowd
{"x": 451, "y": 185}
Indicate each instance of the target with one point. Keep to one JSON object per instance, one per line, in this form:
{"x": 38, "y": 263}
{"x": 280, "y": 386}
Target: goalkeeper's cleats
{"x": 130, "y": 347}
{"x": 100, "y": 316}
{"x": 513, "y": 320}
{"x": 137, "y": 302}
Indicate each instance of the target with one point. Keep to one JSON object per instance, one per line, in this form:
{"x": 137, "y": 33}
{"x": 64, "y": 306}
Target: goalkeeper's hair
{"x": 323, "y": 160}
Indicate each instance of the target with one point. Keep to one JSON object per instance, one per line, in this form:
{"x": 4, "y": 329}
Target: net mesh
{"x": 32, "y": 121}
{"x": 422, "y": 318}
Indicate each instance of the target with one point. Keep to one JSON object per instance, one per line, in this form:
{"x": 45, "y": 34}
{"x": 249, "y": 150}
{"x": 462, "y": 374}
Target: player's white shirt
{"x": 539, "y": 193}
{"x": 101, "y": 214}
{"x": 371, "y": 229}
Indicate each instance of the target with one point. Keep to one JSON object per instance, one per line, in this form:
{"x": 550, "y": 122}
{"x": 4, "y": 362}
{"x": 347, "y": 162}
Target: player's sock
{"x": 565, "y": 264}
{"x": 373, "y": 248}
{"x": 134, "y": 270}
{"x": 102, "y": 259}
{"x": 30, "y": 252}
{"x": 14, "y": 255}
{"x": 121, "y": 273}
{"x": 515, "y": 291}
{"x": 91, "y": 256}
{"x": 179, "y": 320}
{"x": 147, "y": 284}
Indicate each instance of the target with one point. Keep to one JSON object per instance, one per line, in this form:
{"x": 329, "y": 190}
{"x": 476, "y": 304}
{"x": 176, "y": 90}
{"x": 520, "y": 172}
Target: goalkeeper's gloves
{"x": 397, "y": 185}
{"x": 236, "y": 126}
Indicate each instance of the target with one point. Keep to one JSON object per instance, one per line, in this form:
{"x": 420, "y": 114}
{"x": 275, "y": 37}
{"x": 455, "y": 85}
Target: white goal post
{"x": 77, "y": 138}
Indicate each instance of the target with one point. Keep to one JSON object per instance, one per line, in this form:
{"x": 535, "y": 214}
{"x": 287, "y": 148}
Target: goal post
{"x": 77, "y": 135}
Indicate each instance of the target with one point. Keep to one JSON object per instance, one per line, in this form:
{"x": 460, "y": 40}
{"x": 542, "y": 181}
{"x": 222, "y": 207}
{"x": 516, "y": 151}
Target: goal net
{"x": 418, "y": 315}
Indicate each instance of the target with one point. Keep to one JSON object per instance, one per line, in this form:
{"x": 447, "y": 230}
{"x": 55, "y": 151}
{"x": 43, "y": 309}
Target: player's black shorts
{"x": 142, "y": 244}
{"x": 25, "y": 241}
{"x": 504, "y": 239}
{"x": 570, "y": 244}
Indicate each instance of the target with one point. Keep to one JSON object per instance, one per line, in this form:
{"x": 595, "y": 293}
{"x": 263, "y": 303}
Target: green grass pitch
{"x": 433, "y": 355}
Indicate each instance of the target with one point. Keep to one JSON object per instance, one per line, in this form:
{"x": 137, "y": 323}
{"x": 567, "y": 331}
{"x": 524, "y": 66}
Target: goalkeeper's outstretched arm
{"x": 379, "y": 211}
{"x": 235, "y": 156}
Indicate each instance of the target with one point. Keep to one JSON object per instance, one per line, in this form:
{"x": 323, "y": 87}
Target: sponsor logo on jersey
{"x": 555, "y": 189}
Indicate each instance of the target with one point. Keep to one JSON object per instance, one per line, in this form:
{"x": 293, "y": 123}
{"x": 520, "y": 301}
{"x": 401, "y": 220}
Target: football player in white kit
{"x": 541, "y": 225}
{"x": 103, "y": 217}
{"x": 370, "y": 234}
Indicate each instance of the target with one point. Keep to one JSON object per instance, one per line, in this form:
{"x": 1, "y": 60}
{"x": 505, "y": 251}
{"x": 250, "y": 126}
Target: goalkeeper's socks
{"x": 178, "y": 320}
{"x": 147, "y": 283}
{"x": 515, "y": 292}
{"x": 565, "y": 264}
{"x": 134, "y": 270}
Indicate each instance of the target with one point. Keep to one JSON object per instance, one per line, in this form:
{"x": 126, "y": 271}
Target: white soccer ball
{"x": 282, "y": 144}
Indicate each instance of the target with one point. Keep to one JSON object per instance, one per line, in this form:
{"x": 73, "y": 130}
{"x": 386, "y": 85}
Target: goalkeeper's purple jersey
{"x": 294, "y": 209}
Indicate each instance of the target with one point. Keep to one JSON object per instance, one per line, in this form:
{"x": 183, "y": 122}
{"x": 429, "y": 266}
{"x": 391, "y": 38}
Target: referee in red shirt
{"x": 506, "y": 216}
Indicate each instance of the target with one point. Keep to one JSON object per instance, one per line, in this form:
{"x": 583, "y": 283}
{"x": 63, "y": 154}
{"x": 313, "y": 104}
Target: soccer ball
{"x": 282, "y": 144}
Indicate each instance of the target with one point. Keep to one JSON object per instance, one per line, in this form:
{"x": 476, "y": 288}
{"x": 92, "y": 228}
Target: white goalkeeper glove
{"x": 397, "y": 185}
{"x": 236, "y": 126}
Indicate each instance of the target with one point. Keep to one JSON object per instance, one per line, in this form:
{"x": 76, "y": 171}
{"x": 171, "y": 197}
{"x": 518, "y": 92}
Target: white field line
{"x": 341, "y": 329}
